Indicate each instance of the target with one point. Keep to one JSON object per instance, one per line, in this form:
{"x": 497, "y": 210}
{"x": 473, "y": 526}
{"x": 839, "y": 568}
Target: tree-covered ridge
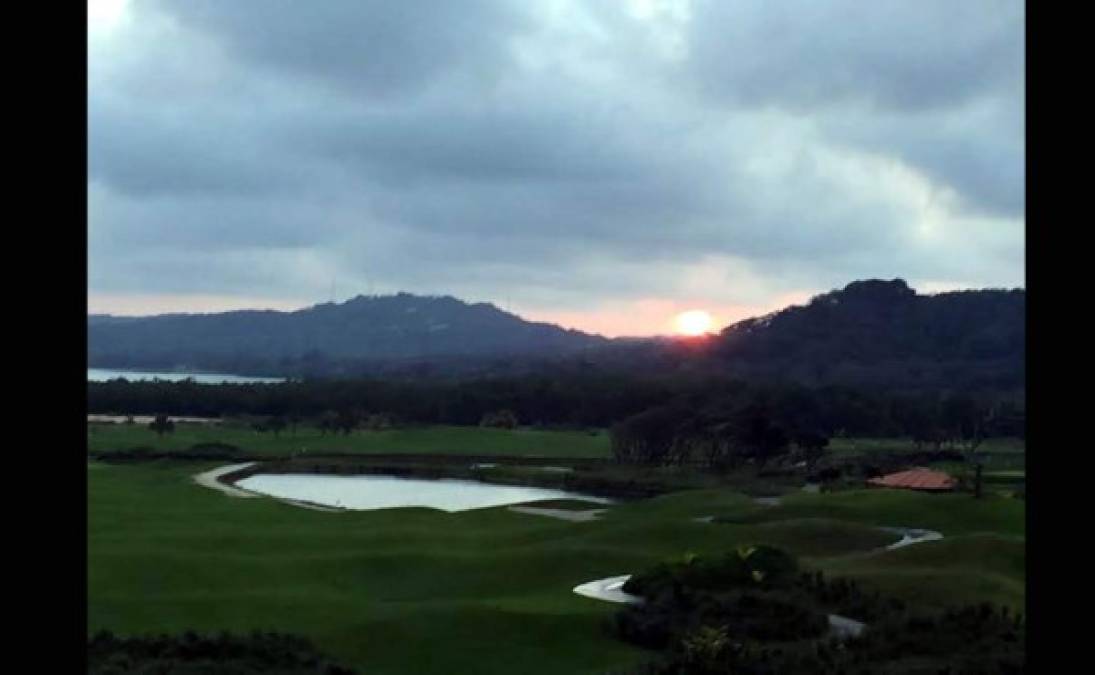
{"x": 371, "y": 328}
{"x": 879, "y": 319}
{"x": 879, "y": 324}
{"x": 870, "y": 333}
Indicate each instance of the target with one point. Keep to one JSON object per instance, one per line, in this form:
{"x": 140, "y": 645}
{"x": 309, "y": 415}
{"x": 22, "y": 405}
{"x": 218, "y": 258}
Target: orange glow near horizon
{"x": 693, "y": 323}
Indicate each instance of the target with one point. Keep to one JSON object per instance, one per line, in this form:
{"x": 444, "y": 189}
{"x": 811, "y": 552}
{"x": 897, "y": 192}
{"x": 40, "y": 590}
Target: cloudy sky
{"x": 603, "y": 164}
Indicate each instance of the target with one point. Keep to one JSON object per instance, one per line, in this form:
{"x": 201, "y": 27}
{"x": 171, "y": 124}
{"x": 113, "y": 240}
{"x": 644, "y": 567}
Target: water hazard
{"x": 383, "y": 492}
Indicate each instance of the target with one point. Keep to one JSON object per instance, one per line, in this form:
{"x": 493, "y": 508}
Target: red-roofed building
{"x": 916, "y": 479}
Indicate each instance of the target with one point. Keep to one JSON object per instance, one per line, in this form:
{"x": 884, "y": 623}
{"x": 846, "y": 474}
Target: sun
{"x": 693, "y": 322}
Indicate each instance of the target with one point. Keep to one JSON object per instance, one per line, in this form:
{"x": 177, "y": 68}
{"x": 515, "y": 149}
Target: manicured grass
{"x": 486, "y": 591}
{"x": 419, "y": 440}
{"x": 951, "y": 513}
{"x": 966, "y": 568}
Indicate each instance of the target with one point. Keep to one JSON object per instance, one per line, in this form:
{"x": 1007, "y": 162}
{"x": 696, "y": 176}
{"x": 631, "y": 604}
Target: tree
{"x": 346, "y": 421}
{"x": 969, "y": 422}
{"x": 378, "y": 422}
{"x": 811, "y": 446}
{"x": 758, "y": 437}
{"x": 964, "y": 420}
{"x": 328, "y": 422}
{"x": 502, "y": 419}
{"x": 162, "y": 425}
{"x": 649, "y": 437}
{"x": 276, "y": 424}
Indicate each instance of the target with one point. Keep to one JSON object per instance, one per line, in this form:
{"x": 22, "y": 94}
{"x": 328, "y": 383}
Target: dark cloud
{"x": 889, "y": 54}
{"x": 570, "y": 153}
{"x": 373, "y": 47}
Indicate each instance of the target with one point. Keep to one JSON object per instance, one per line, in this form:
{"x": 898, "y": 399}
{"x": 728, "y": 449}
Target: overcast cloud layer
{"x": 602, "y": 164}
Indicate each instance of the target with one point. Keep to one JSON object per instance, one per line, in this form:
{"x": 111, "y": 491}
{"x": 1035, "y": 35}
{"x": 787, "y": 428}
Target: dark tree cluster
{"x": 720, "y": 436}
{"x": 224, "y": 653}
{"x": 750, "y": 611}
{"x": 664, "y": 417}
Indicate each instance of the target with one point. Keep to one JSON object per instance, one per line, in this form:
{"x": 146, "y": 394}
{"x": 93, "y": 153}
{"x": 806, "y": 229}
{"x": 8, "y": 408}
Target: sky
{"x": 600, "y": 164}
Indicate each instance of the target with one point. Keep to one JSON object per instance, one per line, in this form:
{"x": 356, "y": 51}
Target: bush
{"x": 748, "y": 592}
{"x": 502, "y": 419}
{"x": 224, "y": 654}
{"x": 754, "y": 615}
{"x": 378, "y": 422}
{"x": 214, "y": 450}
{"x": 746, "y": 567}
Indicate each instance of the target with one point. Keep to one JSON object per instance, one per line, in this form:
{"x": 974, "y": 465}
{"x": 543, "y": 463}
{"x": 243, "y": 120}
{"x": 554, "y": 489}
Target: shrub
{"x": 755, "y": 615}
{"x": 214, "y": 450}
{"x": 502, "y": 419}
{"x": 746, "y": 567}
{"x": 378, "y": 422}
{"x": 224, "y": 654}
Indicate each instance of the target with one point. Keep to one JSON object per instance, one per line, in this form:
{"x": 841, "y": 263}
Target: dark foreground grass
{"x": 438, "y": 440}
{"x": 486, "y": 591}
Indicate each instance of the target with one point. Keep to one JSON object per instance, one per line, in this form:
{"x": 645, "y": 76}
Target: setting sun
{"x": 694, "y": 322}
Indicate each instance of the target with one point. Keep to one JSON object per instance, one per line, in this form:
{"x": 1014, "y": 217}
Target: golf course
{"x": 489, "y": 590}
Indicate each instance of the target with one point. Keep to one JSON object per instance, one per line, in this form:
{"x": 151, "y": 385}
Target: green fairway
{"x": 487, "y": 591}
{"x": 419, "y": 440}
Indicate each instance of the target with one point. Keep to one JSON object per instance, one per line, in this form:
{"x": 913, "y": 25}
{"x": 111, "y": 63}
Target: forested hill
{"x": 883, "y": 332}
{"x": 364, "y": 329}
{"x": 875, "y": 333}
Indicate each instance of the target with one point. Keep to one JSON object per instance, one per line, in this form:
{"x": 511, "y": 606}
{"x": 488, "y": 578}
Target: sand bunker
{"x": 910, "y": 536}
{"x": 210, "y": 479}
{"x": 609, "y": 590}
{"x": 843, "y": 627}
{"x": 561, "y": 514}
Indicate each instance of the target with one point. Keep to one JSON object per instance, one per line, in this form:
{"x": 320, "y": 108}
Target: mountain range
{"x": 870, "y": 332}
{"x": 374, "y": 329}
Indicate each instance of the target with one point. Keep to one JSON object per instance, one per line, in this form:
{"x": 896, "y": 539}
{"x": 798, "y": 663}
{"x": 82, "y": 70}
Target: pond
{"x": 384, "y": 492}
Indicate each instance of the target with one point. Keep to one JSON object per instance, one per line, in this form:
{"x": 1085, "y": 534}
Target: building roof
{"x": 916, "y": 479}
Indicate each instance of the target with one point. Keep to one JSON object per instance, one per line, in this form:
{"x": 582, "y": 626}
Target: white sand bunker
{"x": 611, "y": 590}
{"x": 562, "y": 514}
{"x": 843, "y": 627}
{"x": 910, "y": 536}
{"x": 211, "y": 479}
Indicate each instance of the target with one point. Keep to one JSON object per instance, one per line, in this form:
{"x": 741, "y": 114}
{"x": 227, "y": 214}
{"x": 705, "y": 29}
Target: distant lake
{"x": 384, "y": 492}
{"x": 104, "y": 374}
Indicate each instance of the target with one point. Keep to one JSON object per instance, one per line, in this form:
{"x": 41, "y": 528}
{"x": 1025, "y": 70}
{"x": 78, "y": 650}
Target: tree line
{"x": 723, "y": 433}
{"x": 679, "y": 406}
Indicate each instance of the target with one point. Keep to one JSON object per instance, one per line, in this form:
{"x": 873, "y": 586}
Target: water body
{"x": 384, "y": 492}
{"x": 104, "y": 374}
